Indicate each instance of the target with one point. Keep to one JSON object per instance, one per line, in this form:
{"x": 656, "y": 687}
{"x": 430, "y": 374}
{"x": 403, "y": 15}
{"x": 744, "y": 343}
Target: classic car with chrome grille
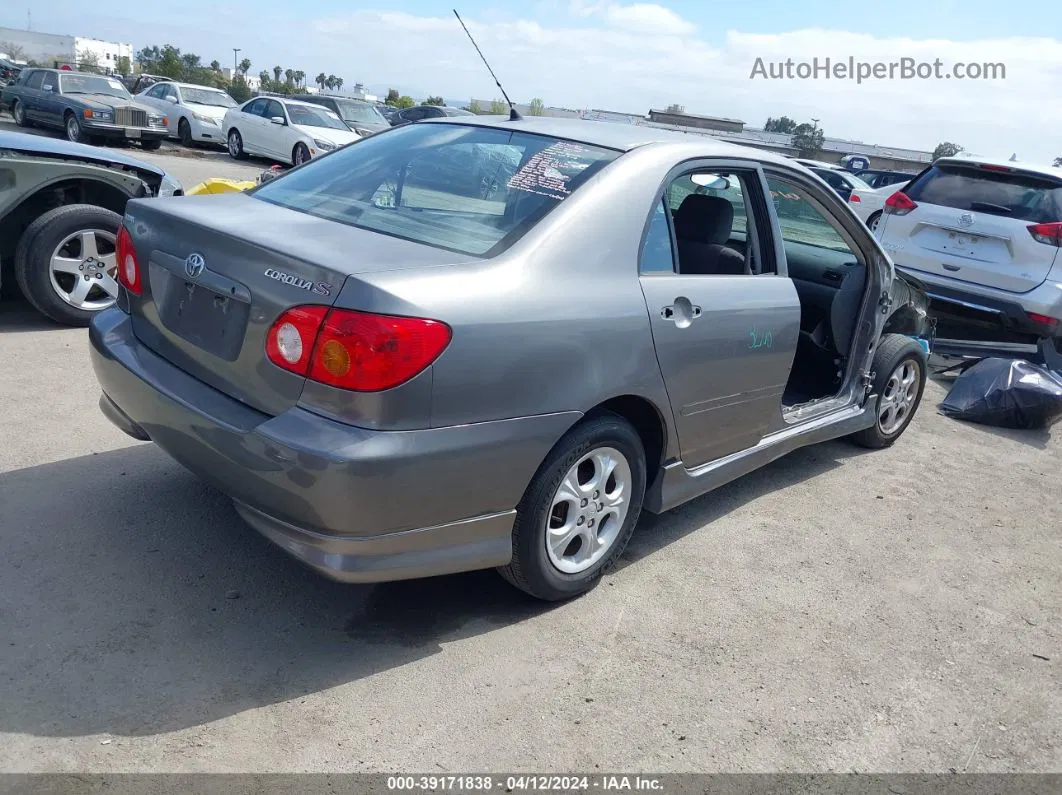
{"x": 84, "y": 106}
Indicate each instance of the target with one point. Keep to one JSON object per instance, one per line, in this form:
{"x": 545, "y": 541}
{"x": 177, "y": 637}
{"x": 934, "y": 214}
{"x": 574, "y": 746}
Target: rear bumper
{"x": 981, "y": 314}
{"x": 357, "y": 505}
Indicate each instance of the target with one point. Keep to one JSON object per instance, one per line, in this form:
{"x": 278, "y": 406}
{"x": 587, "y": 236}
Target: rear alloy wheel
{"x": 873, "y": 221}
{"x": 20, "y": 115}
{"x": 579, "y": 511}
{"x": 235, "y": 144}
{"x": 899, "y": 381}
{"x": 66, "y": 263}
{"x": 74, "y": 133}
{"x": 300, "y": 154}
{"x": 184, "y": 133}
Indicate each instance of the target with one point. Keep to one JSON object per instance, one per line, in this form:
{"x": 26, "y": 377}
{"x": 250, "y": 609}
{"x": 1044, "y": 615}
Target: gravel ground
{"x": 838, "y": 610}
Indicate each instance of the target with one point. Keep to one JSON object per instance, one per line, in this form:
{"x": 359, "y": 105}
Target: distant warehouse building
{"x": 47, "y": 48}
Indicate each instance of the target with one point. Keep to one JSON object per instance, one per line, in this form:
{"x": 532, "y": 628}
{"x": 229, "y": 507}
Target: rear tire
{"x": 873, "y": 221}
{"x": 151, "y": 146}
{"x": 300, "y": 154}
{"x": 33, "y": 257}
{"x": 20, "y": 114}
{"x": 235, "y": 145}
{"x": 900, "y": 367}
{"x": 590, "y": 545}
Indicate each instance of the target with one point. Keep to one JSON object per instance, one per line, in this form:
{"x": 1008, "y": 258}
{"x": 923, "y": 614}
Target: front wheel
{"x": 74, "y": 132}
{"x": 235, "y": 145}
{"x": 300, "y": 154}
{"x": 899, "y": 381}
{"x": 149, "y": 145}
{"x": 184, "y": 133}
{"x": 579, "y": 511}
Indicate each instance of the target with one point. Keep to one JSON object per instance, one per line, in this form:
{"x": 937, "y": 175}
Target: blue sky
{"x": 630, "y": 56}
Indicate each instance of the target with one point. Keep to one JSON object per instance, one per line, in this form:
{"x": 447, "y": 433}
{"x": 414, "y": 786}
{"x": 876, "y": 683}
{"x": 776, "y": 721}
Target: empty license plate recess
{"x": 212, "y": 316}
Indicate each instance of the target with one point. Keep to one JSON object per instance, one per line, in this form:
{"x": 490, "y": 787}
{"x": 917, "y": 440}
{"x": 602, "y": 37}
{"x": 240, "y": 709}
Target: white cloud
{"x": 632, "y": 57}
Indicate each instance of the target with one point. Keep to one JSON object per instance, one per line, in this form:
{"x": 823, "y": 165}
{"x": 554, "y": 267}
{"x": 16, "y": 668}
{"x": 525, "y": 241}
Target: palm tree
{"x": 321, "y": 80}
{"x": 289, "y": 74}
{"x": 300, "y": 76}
{"x": 277, "y": 72}
{"x": 263, "y": 77}
{"x": 339, "y": 83}
{"x": 330, "y": 81}
{"x": 215, "y": 66}
{"x": 245, "y": 66}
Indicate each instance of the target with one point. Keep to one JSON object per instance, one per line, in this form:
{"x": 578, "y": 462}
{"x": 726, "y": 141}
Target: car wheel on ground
{"x": 184, "y": 133}
{"x": 899, "y": 381}
{"x": 873, "y": 221}
{"x": 151, "y": 146}
{"x": 66, "y": 264}
{"x": 235, "y": 145}
{"x": 579, "y": 511}
{"x": 300, "y": 154}
{"x": 74, "y": 132}
{"x": 20, "y": 115}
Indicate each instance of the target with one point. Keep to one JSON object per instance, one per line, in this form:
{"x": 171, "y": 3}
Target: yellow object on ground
{"x": 219, "y": 185}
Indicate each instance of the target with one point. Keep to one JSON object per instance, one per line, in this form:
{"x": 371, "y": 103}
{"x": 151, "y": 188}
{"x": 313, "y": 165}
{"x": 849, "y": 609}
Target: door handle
{"x": 681, "y": 312}
{"x": 667, "y": 312}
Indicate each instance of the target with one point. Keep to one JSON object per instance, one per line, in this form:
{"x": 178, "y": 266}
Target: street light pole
{"x": 235, "y": 63}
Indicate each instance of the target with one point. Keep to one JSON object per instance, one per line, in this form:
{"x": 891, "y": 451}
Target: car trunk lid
{"x": 972, "y": 224}
{"x": 217, "y": 271}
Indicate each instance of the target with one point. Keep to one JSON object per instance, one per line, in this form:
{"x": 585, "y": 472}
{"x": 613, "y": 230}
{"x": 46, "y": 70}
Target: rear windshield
{"x": 475, "y": 190}
{"x": 359, "y": 111}
{"x": 1020, "y": 196}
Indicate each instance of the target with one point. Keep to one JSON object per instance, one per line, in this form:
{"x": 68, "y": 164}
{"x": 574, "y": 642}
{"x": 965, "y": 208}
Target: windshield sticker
{"x": 116, "y": 84}
{"x": 544, "y": 173}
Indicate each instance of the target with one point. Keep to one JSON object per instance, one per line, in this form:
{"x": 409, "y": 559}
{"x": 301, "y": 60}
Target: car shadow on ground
{"x": 137, "y": 602}
{"x": 17, "y": 315}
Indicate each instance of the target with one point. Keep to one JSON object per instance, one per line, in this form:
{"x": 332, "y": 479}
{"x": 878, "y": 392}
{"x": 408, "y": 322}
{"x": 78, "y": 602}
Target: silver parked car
{"x": 482, "y": 343}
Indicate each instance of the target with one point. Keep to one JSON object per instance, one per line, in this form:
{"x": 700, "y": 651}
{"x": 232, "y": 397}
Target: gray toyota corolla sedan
{"x": 482, "y": 343}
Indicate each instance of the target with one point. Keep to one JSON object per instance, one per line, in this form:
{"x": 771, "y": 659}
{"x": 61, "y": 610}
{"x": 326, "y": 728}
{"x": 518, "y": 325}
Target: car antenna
{"x": 514, "y": 114}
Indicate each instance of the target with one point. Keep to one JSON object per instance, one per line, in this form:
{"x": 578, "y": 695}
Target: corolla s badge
{"x": 194, "y": 265}
{"x": 317, "y": 288}
{"x": 965, "y": 220}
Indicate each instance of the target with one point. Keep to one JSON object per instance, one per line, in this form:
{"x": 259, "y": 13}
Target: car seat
{"x": 703, "y": 225}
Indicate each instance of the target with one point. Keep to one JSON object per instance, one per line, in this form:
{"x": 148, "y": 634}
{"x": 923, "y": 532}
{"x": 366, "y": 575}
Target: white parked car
{"x": 984, "y": 237}
{"x": 865, "y": 201}
{"x": 284, "y": 129}
{"x": 194, "y": 112}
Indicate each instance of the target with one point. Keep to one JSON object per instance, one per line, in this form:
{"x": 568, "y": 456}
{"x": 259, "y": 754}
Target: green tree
{"x": 498, "y": 107}
{"x": 265, "y": 80}
{"x": 169, "y": 63}
{"x": 124, "y": 67}
{"x": 88, "y": 60}
{"x": 537, "y": 107}
{"x": 405, "y": 101}
{"x": 239, "y": 90}
{"x": 339, "y": 84}
{"x": 437, "y": 101}
{"x": 392, "y": 96}
{"x": 300, "y": 77}
{"x": 946, "y": 149}
{"x": 321, "y": 79}
{"x": 330, "y": 82}
{"x": 277, "y": 72}
{"x": 245, "y": 66}
{"x": 474, "y": 107}
{"x": 215, "y": 65}
{"x": 808, "y": 139}
{"x": 1058, "y": 162}
{"x": 783, "y": 124}
{"x": 147, "y": 58}
{"x": 289, "y": 76}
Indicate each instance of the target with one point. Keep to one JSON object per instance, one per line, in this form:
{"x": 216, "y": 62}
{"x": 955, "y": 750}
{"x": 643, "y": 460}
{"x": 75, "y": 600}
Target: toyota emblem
{"x": 965, "y": 220}
{"x": 193, "y": 266}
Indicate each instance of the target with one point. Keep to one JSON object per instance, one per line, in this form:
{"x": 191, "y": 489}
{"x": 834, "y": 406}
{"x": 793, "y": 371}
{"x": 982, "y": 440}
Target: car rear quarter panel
{"x": 556, "y": 324}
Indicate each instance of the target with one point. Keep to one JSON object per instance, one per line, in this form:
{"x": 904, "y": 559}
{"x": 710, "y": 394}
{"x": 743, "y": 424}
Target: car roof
{"x": 623, "y": 137}
{"x": 188, "y": 85}
{"x": 1028, "y": 168}
{"x": 290, "y": 101}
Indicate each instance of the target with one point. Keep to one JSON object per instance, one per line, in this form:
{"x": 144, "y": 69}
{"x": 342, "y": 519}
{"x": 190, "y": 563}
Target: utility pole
{"x": 235, "y": 63}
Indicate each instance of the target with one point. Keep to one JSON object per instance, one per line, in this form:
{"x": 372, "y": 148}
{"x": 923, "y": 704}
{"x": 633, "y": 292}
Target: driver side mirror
{"x": 278, "y": 120}
{"x": 172, "y": 99}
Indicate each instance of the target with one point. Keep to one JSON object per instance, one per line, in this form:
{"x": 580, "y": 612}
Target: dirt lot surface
{"x": 838, "y": 610}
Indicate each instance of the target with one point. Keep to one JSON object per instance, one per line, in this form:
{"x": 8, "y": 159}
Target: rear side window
{"x": 475, "y": 190}
{"x": 35, "y": 79}
{"x": 1024, "y": 197}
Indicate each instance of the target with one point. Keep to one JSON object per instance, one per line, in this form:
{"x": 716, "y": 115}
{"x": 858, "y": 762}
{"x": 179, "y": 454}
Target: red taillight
{"x": 899, "y": 203}
{"x": 1046, "y": 320}
{"x": 1051, "y": 233}
{"x": 128, "y": 267}
{"x": 358, "y": 351}
{"x": 990, "y": 167}
{"x": 854, "y": 198}
{"x": 290, "y": 341}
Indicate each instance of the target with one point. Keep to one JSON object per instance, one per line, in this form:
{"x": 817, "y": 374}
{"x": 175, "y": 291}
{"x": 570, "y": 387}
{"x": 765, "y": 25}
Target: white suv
{"x": 984, "y": 237}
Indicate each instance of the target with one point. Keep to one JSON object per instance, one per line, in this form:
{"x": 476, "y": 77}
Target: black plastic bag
{"x": 1010, "y": 393}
